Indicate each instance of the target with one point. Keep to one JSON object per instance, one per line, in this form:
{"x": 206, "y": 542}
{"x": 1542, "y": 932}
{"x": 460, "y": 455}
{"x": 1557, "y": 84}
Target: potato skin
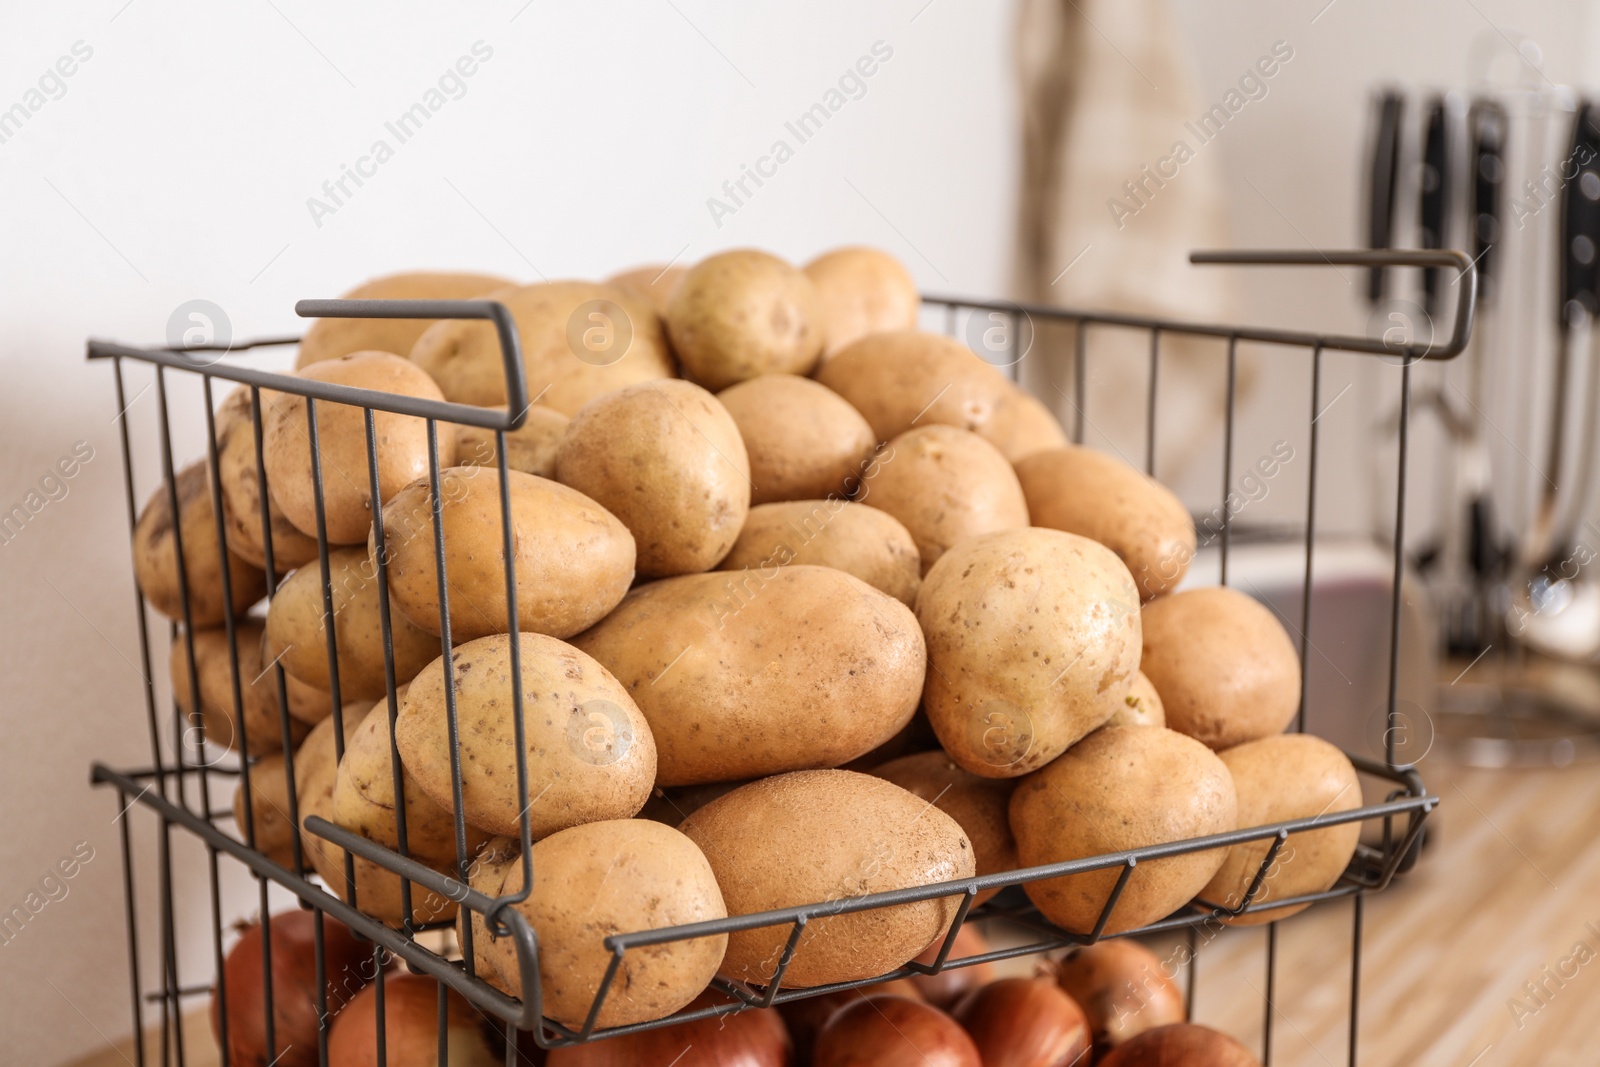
{"x": 666, "y": 458}
{"x": 865, "y": 542}
{"x": 1120, "y": 788}
{"x": 613, "y": 877}
{"x": 1224, "y": 666}
{"x": 402, "y": 445}
{"x": 1291, "y": 776}
{"x": 239, "y": 474}
{"x": 258, "y": 690}
{"x": 944, "y": 485}
{"x": 741, "y": 313}
{"x": 1086, "y": 492}
{"x": 762, "y": 672}
{"x": 556, "y": 323}
{"x": 155, "y": 555}
{"x": 590, "y": 753}
{"x": 803, "y": 439}
{"x": 573, "y": 559}
{"x": 332, "y": 338}
{"x": 862, "y": 291}
{"x": 296, "y": 639}
{"x": 651, "y": 284}
{"x": 531, "y": 448}
{"x": 1033, "y": 641}
{"x": 763, "y": 842}
{"x": 1141, "y": 707}
{"x": 1031, "y": 427}
{"x": 912, "y": 378}
{"x": 980, "y": 806}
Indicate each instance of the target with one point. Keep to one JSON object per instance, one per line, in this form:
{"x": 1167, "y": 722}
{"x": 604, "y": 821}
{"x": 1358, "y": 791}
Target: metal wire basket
{"x": 176, "y": 787}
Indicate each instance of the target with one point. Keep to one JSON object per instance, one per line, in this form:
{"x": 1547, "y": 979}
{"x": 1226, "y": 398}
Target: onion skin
{"x": 1187, "y": 1044}
{"x": 1024, "y": 1022}
{"x": 755, "y": 1037}
{"x": 807, "y": 1016}
{"x": 411, "y": 1028}
{"x": 889, "y": 1031}
{"x": 1122, "y": 988}
{"x": 942, "y": 990}
{"x": 349, "y": 966}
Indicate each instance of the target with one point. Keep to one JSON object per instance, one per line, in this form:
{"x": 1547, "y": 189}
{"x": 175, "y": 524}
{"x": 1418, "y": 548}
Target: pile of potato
{"x": 811, "y": 604}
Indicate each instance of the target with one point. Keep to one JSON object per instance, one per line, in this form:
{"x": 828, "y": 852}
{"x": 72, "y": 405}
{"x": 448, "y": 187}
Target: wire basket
{"x": 176, "y": 788}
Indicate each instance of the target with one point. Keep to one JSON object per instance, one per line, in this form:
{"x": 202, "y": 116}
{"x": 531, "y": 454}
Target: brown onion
{"x": 1123, "y": 988}
{"x": 807, "y": 1016}
{"x": 948, "y": 986}
{"x": 1024, "y": 1022}
{"x": 410, "y": 1028}
{"x": 889, "y": 1031}
{"x": 1186, "y": 1043}
{"x": 750, "y": 1038}
{"x": 348, "y": 966}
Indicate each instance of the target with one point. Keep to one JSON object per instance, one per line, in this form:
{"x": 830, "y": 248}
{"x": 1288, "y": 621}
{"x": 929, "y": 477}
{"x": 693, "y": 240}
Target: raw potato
{"x": 590, "y": 753}
{"x": 738, "y": 314}
{"x": 295, "y": 636}
{"x": 487, "y": 875}
{"x": 1032, "y": 428}
{"x": 269, "y": 810}
{"x": 666, "y": 458}
{"x": 155, "y": 555}
{"x": 614, "y": 877}
{"x": 863, "y": 291}
{"x": 865, "y": 542}
{"x": 240, "y": 476}
{"x": 401, "y": 442}
{"x": 1121, "y": 788}
{"x": 573, "y": 559}
{"x": 363, "y": 799}
{"x": 530, "y": 449}
{"x": 749, "y": 674}
{"x": 1225, "y": 668}
{"x": 1086, "y": 492}
{"x": 579, "y": 340}
{"x": 1033, "y": 641}
{"x": 332, "y": 338}
{"x": 979, "y": 805}
{"x": 1294, "y": 776}
{"x": 945, "y": 485}
{"x": 828, "y": 835}
{"x": 803, "y": 439}
{"x": 378, "y": 892}
{"x": 1141, "y": 707}
{"x": 258, "y": 690}
{"x": 910, "y": 378}
{"x": 652, "y": 284}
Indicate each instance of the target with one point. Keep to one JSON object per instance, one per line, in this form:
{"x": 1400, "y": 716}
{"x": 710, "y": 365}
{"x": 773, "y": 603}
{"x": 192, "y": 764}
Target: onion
{"x": 1122, "y": 987}
{"x": 411, "y": 1028}
{"x": 807, "y": 1016}
{"x": 755, "y": 1037}
{"x": 348, "y": 964}
{"x": 1186, "y": 1043}
{"x": 945, "y": 988}
{"x": 888, "y": 1031}
{"x": 1024, "y": 1022}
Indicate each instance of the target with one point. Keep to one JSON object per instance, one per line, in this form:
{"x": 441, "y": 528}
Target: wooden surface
{"x": 1507, "y": 887}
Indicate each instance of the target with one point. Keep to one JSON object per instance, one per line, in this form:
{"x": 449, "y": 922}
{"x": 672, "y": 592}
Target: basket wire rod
{"x": 130, "y": 916}
{"x": 1193, "y": 966}
{"x": 1311, "y": 532}
{"x": 273, "y": 582}
{"x": 1014, "y": 339}
{"x": 443, "y": 1026}
{"x": 1227, "y": 453}
{"x": 386, "y": 628}
{"x": 1355, "y": 972}
{"x": 785, "y": 958}
{"x": 606, "y": 980}
{"x": 319, "y": 955}
{"x": 447, "y": 661}
{"x": 159, "y": 761}
{"x": 520, "y": 733}
{"x": 330, "y": 635}
{"x": 196, "y": 721}
{"x": 1111, "y": 901}
{"x": 1270, "y": 996}
{"x": 1399, "y": 554}
{"x": 381, "y": 1016}
{"x": 950, "y": 319}
{"x": 1256, "y": 882}
{"x": 950, "y": 936}
{"x": 1080, "y": 378}
{"x": 1150, "y": 405}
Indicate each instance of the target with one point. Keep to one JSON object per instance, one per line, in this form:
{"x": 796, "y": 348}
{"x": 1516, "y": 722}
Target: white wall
{"x": 179, "y": 160}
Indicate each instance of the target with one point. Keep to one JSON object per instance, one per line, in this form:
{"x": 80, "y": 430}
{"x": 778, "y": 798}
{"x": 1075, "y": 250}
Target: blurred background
{"x": 197, "y": 152}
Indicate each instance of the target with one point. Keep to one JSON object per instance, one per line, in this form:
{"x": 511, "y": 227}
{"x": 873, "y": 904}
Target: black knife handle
{"x": 1434, "y": 206}
{"x": 1580, "y": 215}
{"x": 1487, "y": 120}
{"x": 1383, "y": 174}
